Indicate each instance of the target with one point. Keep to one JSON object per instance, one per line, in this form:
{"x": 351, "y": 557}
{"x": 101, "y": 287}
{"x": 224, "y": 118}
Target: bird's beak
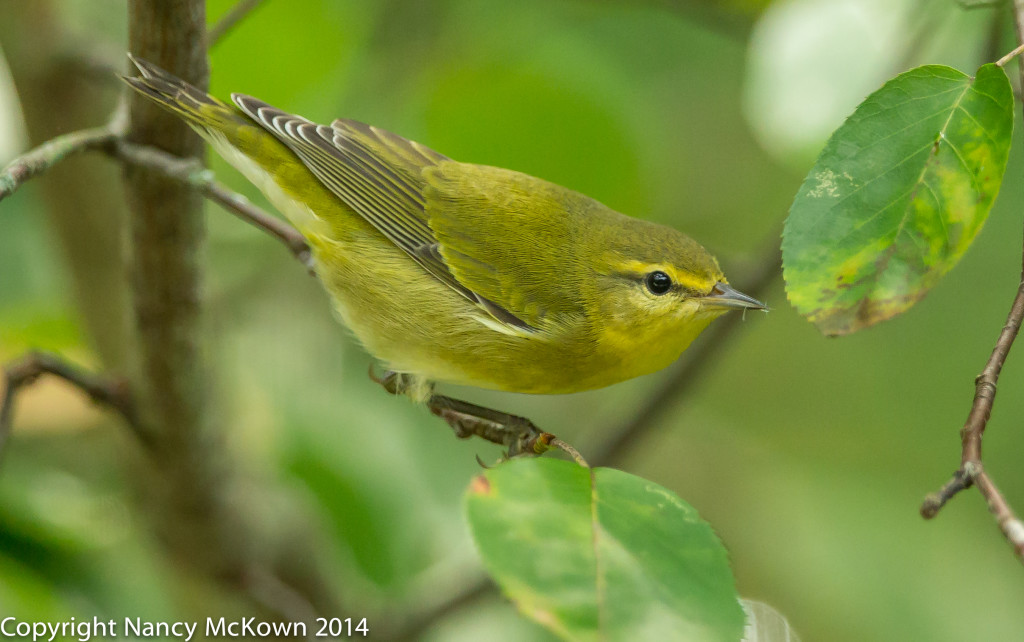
{"x": 723, "y": 296}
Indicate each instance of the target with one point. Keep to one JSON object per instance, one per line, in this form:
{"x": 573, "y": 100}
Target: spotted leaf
{"x": 897, "y": 196}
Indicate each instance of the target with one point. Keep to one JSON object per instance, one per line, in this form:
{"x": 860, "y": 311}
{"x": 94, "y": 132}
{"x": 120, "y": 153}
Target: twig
{"x": 196, "y": 176}
{"x": 972, "y": 471}
{"x": 191, "y": 173}
{"x": 235, "y": 15}
{"x": 51, "y": 153}
{"x": 697, "y": 360}
{"x": 1010, "y": 56}
{"x": 112, "y": 392}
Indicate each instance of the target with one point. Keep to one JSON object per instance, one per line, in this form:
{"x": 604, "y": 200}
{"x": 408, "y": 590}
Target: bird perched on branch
{"x": 461, "y": 273}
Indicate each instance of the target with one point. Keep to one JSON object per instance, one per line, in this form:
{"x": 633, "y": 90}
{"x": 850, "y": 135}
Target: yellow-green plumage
{"x": 462, "y": 273}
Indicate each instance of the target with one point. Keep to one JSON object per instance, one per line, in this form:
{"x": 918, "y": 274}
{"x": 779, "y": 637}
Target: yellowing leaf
{"x": 897, "y": 196}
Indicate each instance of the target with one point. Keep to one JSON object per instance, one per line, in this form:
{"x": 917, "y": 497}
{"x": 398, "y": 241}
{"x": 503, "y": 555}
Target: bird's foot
{"x": 519, "y": 435}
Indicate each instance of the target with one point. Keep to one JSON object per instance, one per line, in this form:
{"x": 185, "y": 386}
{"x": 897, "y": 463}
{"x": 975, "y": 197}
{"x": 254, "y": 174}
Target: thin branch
{"x": 697, "y": 360}
{"x": 189, "y": 172}
{"x": 241, "y": 9}
{"x": 961, "y": 480}
{"x": 49, "y": 154}
{"x": 972, "y": 471}
{"x": 1010, "y": 56}
{"x": 112, "y": 392}
{"x": 196, "y": 176}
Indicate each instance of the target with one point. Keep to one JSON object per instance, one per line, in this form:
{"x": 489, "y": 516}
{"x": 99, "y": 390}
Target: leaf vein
{"x": 942, "y": 220}
{"x": 980, "y": 126}
{"x": 963, "y": 163}
{"x": 825, "y": 215}
{"x": 881, "y": 140}
{"x": 994, "y": 100}
{"x": 876, "y": 215}
{"x": 896, "y": 106}
{"x": 599, "y": 580}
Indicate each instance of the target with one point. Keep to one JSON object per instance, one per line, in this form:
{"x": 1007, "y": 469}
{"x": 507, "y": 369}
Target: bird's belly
{"x": 415, "y": 324}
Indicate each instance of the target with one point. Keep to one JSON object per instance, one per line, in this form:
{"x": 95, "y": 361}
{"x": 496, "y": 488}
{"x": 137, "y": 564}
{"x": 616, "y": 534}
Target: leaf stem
{"x": 1010, "y": 56}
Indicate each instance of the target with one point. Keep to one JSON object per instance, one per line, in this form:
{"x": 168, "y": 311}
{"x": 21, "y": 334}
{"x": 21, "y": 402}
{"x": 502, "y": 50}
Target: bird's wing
{"x": 511, "y": 238}
{"x": 380, "y": 176}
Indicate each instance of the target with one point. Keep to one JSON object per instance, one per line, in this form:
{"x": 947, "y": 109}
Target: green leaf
{"x": 896, "y": 197}
{"x": 598, "y": 554}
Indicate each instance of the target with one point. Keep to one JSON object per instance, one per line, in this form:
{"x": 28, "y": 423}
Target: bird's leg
{"x": 518, "y": 434}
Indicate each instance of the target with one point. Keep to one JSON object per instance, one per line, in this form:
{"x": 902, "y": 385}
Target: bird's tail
{"x": 259, "y": 155}
{"x": 201, "y": 111}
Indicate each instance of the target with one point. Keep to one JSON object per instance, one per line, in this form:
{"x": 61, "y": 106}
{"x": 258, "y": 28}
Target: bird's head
{"x": 657, "y": 289}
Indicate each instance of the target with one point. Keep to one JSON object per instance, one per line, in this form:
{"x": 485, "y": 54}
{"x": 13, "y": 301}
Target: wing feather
{"x": 379, "y": 175}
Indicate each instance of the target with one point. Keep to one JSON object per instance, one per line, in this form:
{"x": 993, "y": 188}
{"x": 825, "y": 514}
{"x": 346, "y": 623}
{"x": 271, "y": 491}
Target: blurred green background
{"x": 809, "y": 456}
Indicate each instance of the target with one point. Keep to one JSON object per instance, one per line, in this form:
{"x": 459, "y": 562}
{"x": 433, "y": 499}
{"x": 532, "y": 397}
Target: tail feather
{"x": 241, "y": 141}
{"x": 201, "y": 110}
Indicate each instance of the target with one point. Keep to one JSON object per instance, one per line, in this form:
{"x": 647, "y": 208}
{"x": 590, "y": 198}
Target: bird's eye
{"x": 658, "y": 282}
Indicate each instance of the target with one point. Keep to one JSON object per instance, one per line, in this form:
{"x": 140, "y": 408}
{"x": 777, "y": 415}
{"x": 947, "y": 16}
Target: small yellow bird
{"x": 461, "y": 273}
